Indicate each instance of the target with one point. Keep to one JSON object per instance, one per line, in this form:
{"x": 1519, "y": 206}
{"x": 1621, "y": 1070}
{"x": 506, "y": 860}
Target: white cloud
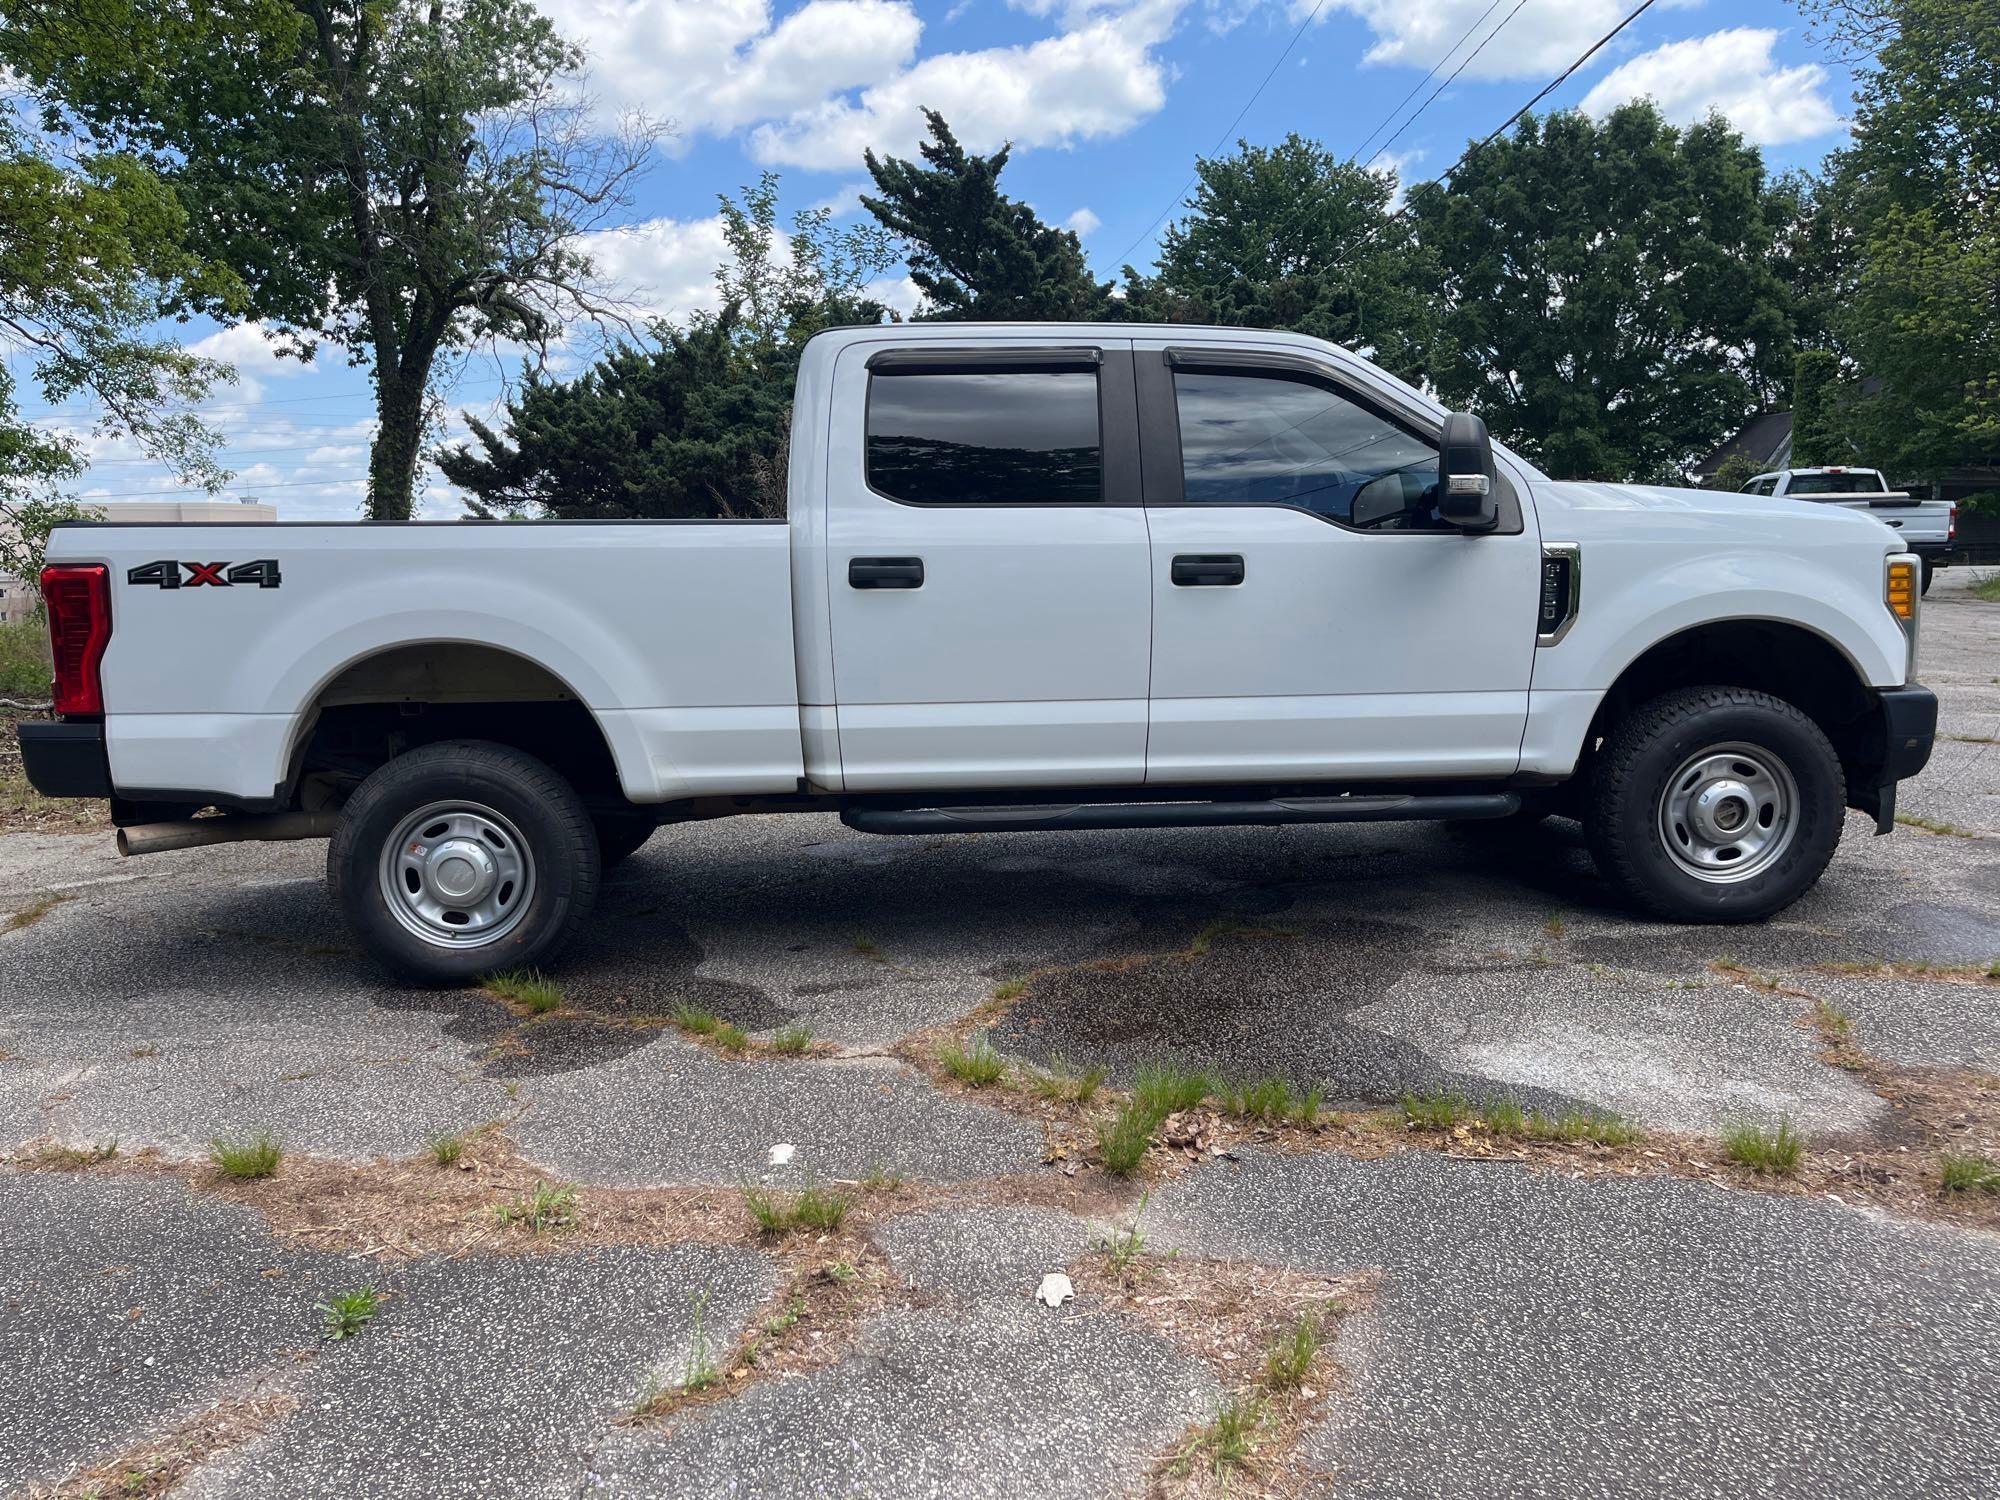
{"x": 664, "y": 268}
{"x": 1542, "y": 38}
{"x": 1083, "y": 223}
{"x": 1730, "y": 72}
{"x": 1097, "y": 79}
{"x": 715, "y": 65}
{"x": 897, "y": 293}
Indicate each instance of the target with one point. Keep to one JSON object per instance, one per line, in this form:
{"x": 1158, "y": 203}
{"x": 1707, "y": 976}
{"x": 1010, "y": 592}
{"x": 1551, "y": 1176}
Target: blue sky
{"x": 1108, "y": 102}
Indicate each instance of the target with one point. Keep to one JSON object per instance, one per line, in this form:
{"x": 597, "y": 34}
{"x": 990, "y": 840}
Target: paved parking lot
{"x": 1514, "y": 1317}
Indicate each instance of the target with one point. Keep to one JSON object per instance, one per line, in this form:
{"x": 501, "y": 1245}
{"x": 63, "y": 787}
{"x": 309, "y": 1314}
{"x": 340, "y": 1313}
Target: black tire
{"x": 541, "y": 807}
{"x": 620, "y": 837}
{"x": 1930, "y": 571}
{"x": 1654, "y": 743}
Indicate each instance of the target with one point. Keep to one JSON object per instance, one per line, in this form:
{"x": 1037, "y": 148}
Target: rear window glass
{"x": 1835, "y": 484}
{"x": 1002, "y": 437}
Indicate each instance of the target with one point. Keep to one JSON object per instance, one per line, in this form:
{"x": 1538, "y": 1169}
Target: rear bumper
{"x": 65, "y": 759}
{"x": 1897, "y": 745}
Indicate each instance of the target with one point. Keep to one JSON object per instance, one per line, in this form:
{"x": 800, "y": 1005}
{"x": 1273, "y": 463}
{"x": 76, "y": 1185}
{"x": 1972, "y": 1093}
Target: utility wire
{"x": 1383, "y": 124}
{"x": 1222, "y": 139}
{"x": 1453, "y": 79}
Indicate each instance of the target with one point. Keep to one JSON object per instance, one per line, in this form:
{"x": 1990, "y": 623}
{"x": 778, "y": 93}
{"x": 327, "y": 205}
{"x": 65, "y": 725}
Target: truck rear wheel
{"x": 1715, "y": 804}
{"x": 461, "y": 858}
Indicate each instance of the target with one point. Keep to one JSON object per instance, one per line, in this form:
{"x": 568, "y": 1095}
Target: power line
{"x": 1454, "y": 77}
{"x": 1479, "y": 145}
{"x": 1222, "y": 139}
{"x": 1381, "y": 125}
{"x": 191, "y": 494}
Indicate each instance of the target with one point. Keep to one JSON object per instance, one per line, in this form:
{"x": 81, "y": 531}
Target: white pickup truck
{"x": 1063, "y": 576}
{"x": 1928, "y": 528}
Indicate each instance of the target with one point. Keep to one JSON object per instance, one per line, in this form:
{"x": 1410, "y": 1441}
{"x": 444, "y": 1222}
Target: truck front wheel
{"x": 461, "y": 858}
{"x": 1715, "y": 804}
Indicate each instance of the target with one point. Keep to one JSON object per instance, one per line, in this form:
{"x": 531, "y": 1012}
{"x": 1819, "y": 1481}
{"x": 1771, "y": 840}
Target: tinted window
{"x": 1005, "y": 437}
{"x": 1866, "y": 483}
{"x": 1264, "y": 440}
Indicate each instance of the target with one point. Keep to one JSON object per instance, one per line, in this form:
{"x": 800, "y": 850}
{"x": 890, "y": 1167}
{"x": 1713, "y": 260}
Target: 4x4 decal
{"x": 167, "y": 574}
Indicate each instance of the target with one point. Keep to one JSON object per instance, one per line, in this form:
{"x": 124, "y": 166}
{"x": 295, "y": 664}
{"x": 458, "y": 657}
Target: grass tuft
{"x": 1122, "y": 1140}
{"x": 812, "y": 1207}
{"x": 1165, "y": 1089}
{"x": 1963, "y": 1172}
{"x": 881, "y": 1179}
{"x": 977, "y": 1065}
{"x": 68, "y": 1158}
{"x": 1271, "y": 1101}
{"x": 36, "y": 909}
{"x": 1436, "y": 1110}
{"x": 1229, "y": 1438}
{"x": 1765, "y": 1151}
{"x": 1504, "y": 1116}
{"x": 251, "y": 1157}
{"x": 1290, "y": 1360}
{"x": 791, "y": 1041}
{"x": 344, "y": 1314}
{"x": 547, "y": 1206}
{"x": 1059, "y": 1081}
{"x": 1933, "y": 825}
{"x": 1009, "y": 990}
{"x": 695, "y": 1021}
{"x": 1987, "y": 590}
{"x": 446, "y": 1149}
{"x": 730, "y": 1038}
{"x": 1833, "y": 1020}
{"x": 530, "y": 989}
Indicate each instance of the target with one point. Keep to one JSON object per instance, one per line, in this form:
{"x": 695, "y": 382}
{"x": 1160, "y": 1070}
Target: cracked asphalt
{"x": 1533, "y": 1331}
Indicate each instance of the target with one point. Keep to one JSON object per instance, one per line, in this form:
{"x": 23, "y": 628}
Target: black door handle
{"x": 1207, "y": 570}
{"x": 885, "y": 572}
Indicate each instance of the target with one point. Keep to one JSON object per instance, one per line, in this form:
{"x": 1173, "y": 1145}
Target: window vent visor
{"x": 78, "y": 600}
{"x": 1561, "y": 591}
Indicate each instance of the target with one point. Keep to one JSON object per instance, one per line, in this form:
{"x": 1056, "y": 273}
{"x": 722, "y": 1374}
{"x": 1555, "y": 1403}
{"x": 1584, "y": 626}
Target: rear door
{"x": 1313, "y": 617}
{"x": 988, "y": 567}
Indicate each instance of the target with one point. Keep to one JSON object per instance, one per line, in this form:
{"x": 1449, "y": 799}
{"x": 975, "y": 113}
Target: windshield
{"x": 1853, "y": 482}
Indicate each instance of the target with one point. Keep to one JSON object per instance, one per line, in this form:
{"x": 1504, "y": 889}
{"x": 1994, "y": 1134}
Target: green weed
{"x": 253, "y": 1156}
{"x": 344, "y": 1314}
{"x": 547, "y": 1206}
{"x": 1774, "y": 1151}
{"x": 978, "y": 1064}
{"x": 530, "y": 989}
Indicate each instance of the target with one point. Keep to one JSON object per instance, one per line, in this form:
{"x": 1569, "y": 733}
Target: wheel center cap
{"x": 460, "y": 871}
{"x": 1723, "y": 810}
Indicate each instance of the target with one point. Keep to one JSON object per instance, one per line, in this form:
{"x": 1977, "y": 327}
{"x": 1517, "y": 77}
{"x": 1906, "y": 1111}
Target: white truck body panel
{"x": 1047, "y": 647}
{"x": 678, "y": 638}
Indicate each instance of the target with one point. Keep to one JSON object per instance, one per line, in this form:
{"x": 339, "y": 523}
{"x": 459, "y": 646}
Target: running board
{"x": 1083, "y": 815}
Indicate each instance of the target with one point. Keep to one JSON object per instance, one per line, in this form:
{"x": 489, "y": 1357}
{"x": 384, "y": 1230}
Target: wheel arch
{"x": 390, "y": 698}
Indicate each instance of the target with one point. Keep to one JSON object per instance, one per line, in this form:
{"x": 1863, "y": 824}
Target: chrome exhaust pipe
{"x": 195, "y": 833}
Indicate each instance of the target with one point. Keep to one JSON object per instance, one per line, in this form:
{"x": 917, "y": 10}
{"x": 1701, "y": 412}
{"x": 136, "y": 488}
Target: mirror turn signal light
{"x": 1899, "y": 589}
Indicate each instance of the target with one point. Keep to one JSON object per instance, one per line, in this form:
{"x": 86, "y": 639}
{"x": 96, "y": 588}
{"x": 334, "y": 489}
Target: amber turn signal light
{"x": 1899, "y": 589}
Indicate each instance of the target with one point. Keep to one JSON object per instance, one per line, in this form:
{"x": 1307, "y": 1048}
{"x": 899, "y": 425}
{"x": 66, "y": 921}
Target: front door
{"x": 1313, "y": 618}
{"x": 988, "y": 568}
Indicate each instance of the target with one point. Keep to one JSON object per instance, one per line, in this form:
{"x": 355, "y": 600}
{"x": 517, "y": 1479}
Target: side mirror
{"x": 1466, "y": 477}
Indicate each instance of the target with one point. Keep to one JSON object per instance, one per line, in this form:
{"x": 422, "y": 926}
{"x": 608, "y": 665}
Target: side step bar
{"x": 1083, "y": 815}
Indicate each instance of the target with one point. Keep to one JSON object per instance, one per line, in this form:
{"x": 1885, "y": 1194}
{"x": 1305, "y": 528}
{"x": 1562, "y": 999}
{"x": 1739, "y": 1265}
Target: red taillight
{"x": 79, "y": 605}
{"x": 1951, "y": 526}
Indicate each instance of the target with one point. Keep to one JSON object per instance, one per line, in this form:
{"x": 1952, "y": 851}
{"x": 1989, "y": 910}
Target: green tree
{"x": 696, "y": 425}
{"x": 1818, "y": 431}
{"x": 972, "y": 250}
{"x": 1608, "y": 298}
{"x": 89, "y": 252}
{"x": 397, "y": 178}
{"x": 1733, "y": 473}
{"x": 1270, "y": 241}
{"x": 1922, "y": 177}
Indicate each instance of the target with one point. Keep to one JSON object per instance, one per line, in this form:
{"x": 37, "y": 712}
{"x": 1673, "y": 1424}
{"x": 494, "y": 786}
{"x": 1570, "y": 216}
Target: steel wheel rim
{"x": 1728, "y": 813}
{"x": 457, "y": 875}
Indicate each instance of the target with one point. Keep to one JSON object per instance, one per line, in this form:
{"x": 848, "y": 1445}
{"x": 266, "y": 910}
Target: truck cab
{"x": 1032, "y": 577}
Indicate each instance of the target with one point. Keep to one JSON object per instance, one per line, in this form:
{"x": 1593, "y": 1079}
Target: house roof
{"x": 1766, "y": 440}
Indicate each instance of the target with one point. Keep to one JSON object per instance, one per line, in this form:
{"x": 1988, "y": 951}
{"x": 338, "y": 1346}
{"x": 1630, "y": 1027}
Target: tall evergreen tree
{"x": 1609, "y": 299}
{"x": 972, "y": 250}
{"x": 1270, "y": 241}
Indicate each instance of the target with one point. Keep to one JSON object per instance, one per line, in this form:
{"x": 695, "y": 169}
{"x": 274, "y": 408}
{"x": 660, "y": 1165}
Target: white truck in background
{"x": 1928, "y": 528}
{"x": 1033, "y": 577}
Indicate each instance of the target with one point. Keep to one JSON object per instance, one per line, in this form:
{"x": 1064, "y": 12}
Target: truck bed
{"x": 677, "y": 635}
